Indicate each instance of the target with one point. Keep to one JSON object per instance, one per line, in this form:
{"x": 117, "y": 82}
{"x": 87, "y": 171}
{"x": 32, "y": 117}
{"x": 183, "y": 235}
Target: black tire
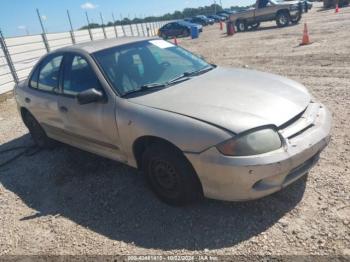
{"x": 282, "y": 19}
{"x": 37, "y": 132}
{"x": 170, "y": 175}
{"x": 297, "y": 19}
{"x": 186, "y": 33}
{"x": 255, "y": 26}
{"x": 241, "y": 26}
{"x": 164, "y": 36}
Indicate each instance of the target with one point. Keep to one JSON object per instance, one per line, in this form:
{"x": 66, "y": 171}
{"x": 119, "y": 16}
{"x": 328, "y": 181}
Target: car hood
{"x": 234, "y": 99}
{"x": 288, "y": 2}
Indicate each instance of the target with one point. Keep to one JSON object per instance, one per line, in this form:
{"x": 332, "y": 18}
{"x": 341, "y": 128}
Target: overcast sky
{"x": 17, "y": 17}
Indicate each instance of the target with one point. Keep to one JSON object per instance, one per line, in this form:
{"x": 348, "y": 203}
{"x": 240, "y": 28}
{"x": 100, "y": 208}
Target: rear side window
{"x": 34, "y": 79}
{"x": 49, "y": 74}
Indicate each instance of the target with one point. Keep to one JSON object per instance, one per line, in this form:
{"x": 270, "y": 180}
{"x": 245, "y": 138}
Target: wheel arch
{"x": 282, "y": 11}
{"x": 141, "y": 143}
{"x": 24, "y": 111}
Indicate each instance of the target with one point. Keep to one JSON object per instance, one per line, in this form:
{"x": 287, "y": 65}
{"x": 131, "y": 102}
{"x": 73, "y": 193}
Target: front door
{"x": 265, "y": 10}
{"x": 92, "y": 126}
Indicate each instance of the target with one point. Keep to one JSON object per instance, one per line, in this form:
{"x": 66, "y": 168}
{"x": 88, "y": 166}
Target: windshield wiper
{"x": 185, "y": 76}
{"x": 180, "y": 78}
{"x": 145, "y": 88}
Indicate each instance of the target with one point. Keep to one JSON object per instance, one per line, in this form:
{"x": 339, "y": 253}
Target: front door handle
{"x": 63, "y": 109}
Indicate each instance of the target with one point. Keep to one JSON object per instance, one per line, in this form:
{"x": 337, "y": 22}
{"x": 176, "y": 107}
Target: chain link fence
{"x": 18, "y": 55}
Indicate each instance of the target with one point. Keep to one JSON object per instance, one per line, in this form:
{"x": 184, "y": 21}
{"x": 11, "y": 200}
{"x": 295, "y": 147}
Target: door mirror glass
{"x": 89, "y": 96}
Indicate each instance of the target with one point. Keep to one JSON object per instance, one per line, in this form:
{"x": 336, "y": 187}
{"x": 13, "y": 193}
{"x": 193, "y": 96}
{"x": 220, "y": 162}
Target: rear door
{"x": 93, "y": 126}
{"x": 41, "y": 96}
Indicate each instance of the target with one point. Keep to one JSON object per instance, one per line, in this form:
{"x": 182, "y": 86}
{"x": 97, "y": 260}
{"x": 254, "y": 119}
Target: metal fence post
{"x": 114, "y": 26}
{"x": 8, "y": 58}
{"x": 71, "y": 29}
{"x": 132, "y": 31}
{"x": 121, "y": 23}
{"x": 103, "y": 26}
{"x": 89, "y": 29}
{"x": 143, "y": 29}
{"x": 137, "y": 27}
{"x": 43, "y": 35}
{"x": 153, "y": 29}
{"x": 147, "y": 27}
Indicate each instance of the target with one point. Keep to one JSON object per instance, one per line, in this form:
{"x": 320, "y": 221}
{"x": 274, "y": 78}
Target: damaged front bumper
{"x": 251, "y": 177}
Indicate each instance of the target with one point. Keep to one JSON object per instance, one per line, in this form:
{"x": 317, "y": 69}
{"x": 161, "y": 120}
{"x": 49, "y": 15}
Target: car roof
{"x": 95, "y": 46}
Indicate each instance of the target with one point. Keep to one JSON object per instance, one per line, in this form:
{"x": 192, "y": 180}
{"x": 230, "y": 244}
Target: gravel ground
{"x": 66, "y": 201}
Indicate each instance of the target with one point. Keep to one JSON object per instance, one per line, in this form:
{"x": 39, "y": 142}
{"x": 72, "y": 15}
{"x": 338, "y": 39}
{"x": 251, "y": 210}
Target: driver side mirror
{"x": 89, "y": 96}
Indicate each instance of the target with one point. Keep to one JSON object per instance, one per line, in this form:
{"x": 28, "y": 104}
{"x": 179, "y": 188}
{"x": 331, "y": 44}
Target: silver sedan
{"x": 193, "y": 128}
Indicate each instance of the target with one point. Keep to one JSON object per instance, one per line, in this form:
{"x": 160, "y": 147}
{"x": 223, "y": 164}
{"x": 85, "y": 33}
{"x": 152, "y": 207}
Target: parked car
{"x": 307, "y": 5}
{"x": 177, "y": 29}
{"x": 225, "y": 17}
{"x": 197, "y": 20}
{"x": 209, "y": 20}
{"x": 268, "y": 10}
{"x": 193, "y": 128}
{"x": 217, "y": 18}
{"x": 189, "y": 25}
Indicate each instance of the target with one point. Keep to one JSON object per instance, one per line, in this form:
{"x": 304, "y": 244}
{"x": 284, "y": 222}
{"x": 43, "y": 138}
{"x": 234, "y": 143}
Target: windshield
{"x": 130, "y": 67}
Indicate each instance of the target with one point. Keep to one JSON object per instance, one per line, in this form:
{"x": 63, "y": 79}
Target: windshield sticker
{"x": 161, "y": 43}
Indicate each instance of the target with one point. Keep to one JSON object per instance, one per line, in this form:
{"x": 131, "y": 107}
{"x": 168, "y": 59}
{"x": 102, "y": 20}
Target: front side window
{"x": 78, "y": 76}
{"x": 49, "y": 74}
{"x": 131, "y": 66}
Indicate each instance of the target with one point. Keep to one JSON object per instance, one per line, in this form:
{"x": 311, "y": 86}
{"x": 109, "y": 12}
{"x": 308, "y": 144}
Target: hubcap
{"x": 283, "y": 19}
{"x": 241, "y": 26}
{"x": 164, "y": 175}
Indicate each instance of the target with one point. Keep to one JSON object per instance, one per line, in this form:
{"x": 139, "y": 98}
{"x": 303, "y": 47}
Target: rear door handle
{"x": 27, "y": 100}
{"x": 63, "y": 109}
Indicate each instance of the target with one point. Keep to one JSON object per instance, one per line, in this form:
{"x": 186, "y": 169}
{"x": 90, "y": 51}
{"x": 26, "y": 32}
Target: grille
{"x": 300, "y": 123}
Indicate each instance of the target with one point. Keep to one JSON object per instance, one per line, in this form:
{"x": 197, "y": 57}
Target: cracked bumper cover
{"x": 246, "y": 178}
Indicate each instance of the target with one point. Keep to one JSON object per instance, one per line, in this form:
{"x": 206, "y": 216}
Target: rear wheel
{"x": 37, "y": 132}
{"x": 170, "y": 175}
{"x": 282, "y": 19}
{"x": 241, "y": 26}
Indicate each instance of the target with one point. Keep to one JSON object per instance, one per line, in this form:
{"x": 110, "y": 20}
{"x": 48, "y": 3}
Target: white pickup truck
{"x": 268, "y": 10}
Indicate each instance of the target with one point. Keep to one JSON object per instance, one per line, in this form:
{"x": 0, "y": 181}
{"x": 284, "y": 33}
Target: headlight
{"x": 252, "y": 143}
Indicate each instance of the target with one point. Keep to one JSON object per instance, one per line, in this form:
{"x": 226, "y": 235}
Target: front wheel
{"x": 170, "y": 175}
{"x": 282, "y": 19}
{"x": 255, "y": 26}
{"x": 186, "y": 33}
{"x": 296, "y": 19}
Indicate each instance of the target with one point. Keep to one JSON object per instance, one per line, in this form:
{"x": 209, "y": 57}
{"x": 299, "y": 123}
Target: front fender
{"x": 188, "y": 134}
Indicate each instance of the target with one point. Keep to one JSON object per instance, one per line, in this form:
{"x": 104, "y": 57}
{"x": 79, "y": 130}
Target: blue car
{"x": 177, "y": 29}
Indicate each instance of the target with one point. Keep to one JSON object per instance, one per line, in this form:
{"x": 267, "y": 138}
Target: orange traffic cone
{"x": 337, "y": 8}
{"x": 306, "y": 38}
{"x": 175, "y": 40}
{"x": 221, "y": 26}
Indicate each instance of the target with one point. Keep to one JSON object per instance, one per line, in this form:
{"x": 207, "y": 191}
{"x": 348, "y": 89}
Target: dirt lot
{"x": 67, "y": 201}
